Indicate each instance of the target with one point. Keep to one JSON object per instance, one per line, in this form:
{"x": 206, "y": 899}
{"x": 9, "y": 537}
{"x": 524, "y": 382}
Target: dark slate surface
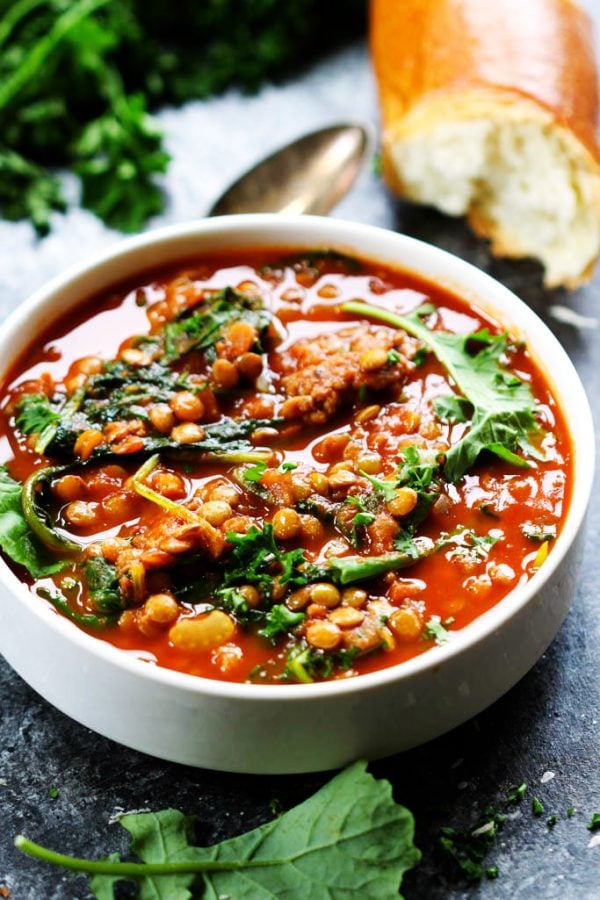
{"x": 544, "y": 732}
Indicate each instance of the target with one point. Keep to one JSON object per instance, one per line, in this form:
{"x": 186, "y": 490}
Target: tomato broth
{"x": 279, "y": 467}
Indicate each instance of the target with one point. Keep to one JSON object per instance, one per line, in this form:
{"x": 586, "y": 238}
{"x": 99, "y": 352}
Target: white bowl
{"x": 297, "y": 728}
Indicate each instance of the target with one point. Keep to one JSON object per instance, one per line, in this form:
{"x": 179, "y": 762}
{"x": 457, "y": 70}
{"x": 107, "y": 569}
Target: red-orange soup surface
{"x": 249, "y": 483}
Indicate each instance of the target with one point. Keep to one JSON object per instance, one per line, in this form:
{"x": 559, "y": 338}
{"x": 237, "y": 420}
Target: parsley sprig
{"x": 77, "y": 78}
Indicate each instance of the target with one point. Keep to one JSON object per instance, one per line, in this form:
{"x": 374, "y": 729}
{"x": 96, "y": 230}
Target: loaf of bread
{"x": 490, "y": 109}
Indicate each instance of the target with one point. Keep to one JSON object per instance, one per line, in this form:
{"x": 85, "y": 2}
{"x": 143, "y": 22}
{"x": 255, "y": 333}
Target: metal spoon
{"x": 310, "y": 175}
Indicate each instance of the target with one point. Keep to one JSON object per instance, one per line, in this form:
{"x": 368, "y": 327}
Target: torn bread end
{"x": 524, "y": 182}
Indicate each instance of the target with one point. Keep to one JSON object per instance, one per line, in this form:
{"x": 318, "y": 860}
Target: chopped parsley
{"x": 363, "y": 518}
{"x": 255, "y": 473}
{"x": 468, "y": 849}
{"x": 288, "y": 466}
{"x": 435, "y": 631}
{"x": 306, "y": 664}
{"x": 387, "y": 489}
{"x": 35, "y": 412}
{"x": 202, "y": 328}
{"x": 537, "y": 807}
{"x": 516, "y": 794}
{"x": 404, "y": 542}
{"x": 468, "y": 545}
{"x": 280, "y": 620}
{"x": 594, "y": 823}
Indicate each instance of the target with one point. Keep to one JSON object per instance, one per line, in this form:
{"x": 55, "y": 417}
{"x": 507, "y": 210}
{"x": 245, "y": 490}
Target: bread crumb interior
{"x": 523, "y": 183}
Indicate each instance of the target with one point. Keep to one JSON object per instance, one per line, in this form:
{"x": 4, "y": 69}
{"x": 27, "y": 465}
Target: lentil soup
{"x": 278, "y": 468}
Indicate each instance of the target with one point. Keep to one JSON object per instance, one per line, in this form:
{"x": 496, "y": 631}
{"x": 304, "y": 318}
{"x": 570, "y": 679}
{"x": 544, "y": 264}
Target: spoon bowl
{"x": 310, "y": 175}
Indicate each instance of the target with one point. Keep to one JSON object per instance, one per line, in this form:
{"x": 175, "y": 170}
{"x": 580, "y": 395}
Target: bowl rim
{"x": 296, "y": 231}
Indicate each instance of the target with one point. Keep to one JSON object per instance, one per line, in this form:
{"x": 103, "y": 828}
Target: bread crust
{"x": 540, "y": 50}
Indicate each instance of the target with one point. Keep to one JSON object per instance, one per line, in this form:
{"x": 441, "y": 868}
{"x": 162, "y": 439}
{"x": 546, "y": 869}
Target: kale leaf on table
{"x": 77, "y": 78}
{"x": 349, "y": 839}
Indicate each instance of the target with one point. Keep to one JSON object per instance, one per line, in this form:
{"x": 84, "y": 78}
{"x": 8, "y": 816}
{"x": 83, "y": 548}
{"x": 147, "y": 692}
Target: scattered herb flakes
{"x": 53, "y": 793}
{"x": 393, "y": 357}
{"x": 434, "y": 630}
{"x": 594, "y": 823}
{"x": 516, "y": 794}
{"x": 350, "y": 837}
{"x": 468, "y": 849}
{"x": 469, "y": 546}
{"x": 537, "y": 807}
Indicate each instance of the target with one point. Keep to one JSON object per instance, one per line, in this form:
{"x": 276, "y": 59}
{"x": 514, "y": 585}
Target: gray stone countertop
{"x": 545, "y": 731}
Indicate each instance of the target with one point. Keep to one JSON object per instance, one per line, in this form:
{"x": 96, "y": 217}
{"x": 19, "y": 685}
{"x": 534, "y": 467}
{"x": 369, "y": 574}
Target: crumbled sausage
{"x": 323, "y": 373}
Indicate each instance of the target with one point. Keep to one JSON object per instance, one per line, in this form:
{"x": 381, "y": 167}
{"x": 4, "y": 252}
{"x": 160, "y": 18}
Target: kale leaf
{"x": 344, "y": 570}
{"x": 256, "y": 559}
{"x": 500, "y": 406}
{"x": 350, "y": 838}
{"x": 16, "y": 537}
{"x": 85, "y": 620}
{"x": 202, "y": 328}
{"x": 103, "y": 585}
